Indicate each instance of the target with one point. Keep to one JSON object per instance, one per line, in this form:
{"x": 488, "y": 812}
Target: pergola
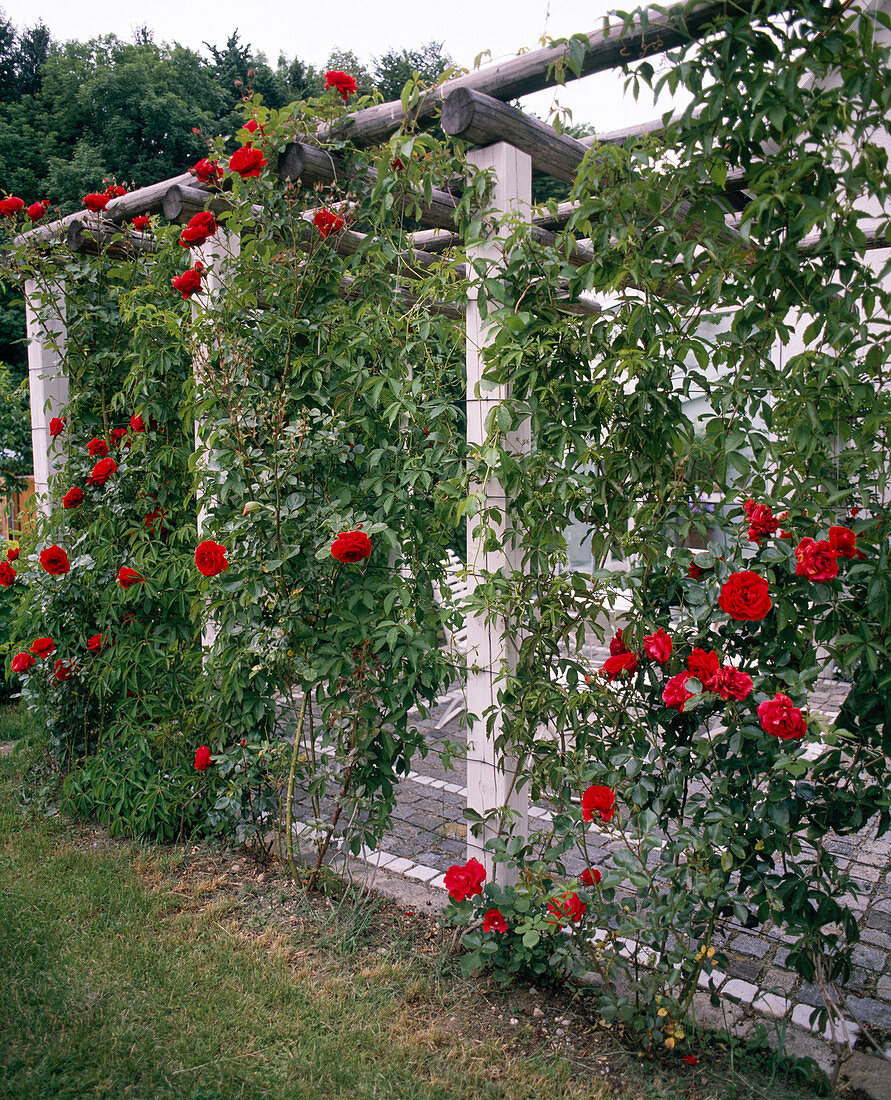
{"x": 513, "y": 146}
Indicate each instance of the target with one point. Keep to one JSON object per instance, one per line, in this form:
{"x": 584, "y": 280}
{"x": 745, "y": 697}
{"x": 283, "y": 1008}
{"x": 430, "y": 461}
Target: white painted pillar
{"x": 490, "y": 776}
{"x": 45, "y": 318}
{"x": 213, "y": 254}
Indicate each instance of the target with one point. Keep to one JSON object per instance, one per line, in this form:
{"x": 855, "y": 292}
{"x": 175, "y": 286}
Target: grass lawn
{"x": 129, "y": 970}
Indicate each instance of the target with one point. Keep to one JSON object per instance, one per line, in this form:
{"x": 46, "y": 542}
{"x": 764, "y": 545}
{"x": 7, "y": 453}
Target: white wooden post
{"x": 45, "y": 319}
{"x": 490, "y": 776}
{"x": 214, "y": 252}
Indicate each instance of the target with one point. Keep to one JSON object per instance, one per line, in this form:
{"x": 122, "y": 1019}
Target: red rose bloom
{"x": 55, "y": 561}
{"x": 151, "y": 517}
{"x": 127, "y": 577}
{"x": 189, "y": 281}
{"x": 327, "y": 222}
{"x": 762, "y": 521}
{"x": 568, "y": 907}
{"x": 703, "y": 664}
{"x": 601, "y": 799}
{"x": 208, "y": 171}
{"x": 493, "y": 921}
{"x": 140, "y": 222}
{"x": 73, "y": 497}
{"x": 693, "y": 571}
{"x": 617, "y": 644}
{"x": 844, "y": 542}
{"x": 691, "y": 1060}
{"x": 12, "y": 554}
{"x": 465, "y": 882}
{"x": 11, "y": 206}
{"x": 745, "y": 596}
{"x": 65, "y": 669}
{"x": 202, "y": 758}
{"x": 43, "y": 647}
{"x": 97, "y": 448}
{"x": 36, "y": 211}
{"x": 137, "y": 424}
{"x": 247, "y": 162}
{"x": 342, "y": 81}
{"x": 615, "y": 668}
{"x": 210, "y": 558}
{"x": 253, "y": 126}
{"x": 114, "y": 191}
{"x": 729, "y": 683}
{"x": 675, "y": 693}
{"x": 7, "y": 574}
{"x": 351, "y": 546}
{"x": 102, "y": 471}
{"x": 96, "y": 201}
{"x": 22, "y": 662}
{"x": 96, "y": 643}
{"x": 658, "y": 646}
{"x": 816, "y": 560}
{"x": 56, "y": 426}
{"x": 781, "y": 718}
{"x": 200, "y": 228}
{"x": 117, "y": 434}
{"x": 590, "y": 876}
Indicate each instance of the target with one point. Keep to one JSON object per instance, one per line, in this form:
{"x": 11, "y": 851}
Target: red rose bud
{"x": 691, "y": 1060}
{"x": 96, "y": 201}
{"x": 96, "y": 643}
{"x": 140, "y": 222}
{"x": 102, "y": 471}
{"x": 465, "y": 882}
{"x": 781, "y": 718}
{"x": 253, "y": 126}
{"x": 745, "y": 596}
{"x": 56, "y": 426}
{"x": 12, "y": 554}
{"x": 327, "y": 222}
{"x": 202, "y": 758}
{"x": 351, "y": 546}
{"x": 343, "y": 82}
{"x": 693, "y": 571}
{"x": 675, "y": 693}
{"x": 55, "y": 561}
{"x": 201, "y": 227}
{"x": 43, "y": 647}
{"x": 816, "y": 560}
{"x": 658, "y": 646}
{"x": 7, "y": 574}
{"x": 11, "y": 206}
{"x": 590, "y": 876}
{"x": 22, "y": 662}
{"x": 208, "y": 171}
{"x": 37, "y": 210}
{"x": 65, "y": 669}
{"x": 97, "y": 448}
{"x": 127, "y": 577}
{"x": 73, "y": 498}
{"x": 601, "y": 800}
{"x": 247, "y": 162}
{"x": 493, "y": 921}
{"x": 189, "y": 282}
{"x": 210, "y": 558}
{"x": 617, "y": 645}
{"x": 137, "y": 424}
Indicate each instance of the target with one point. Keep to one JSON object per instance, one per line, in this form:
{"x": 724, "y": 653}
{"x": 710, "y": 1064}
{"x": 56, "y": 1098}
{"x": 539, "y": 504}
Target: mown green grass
{"x": 112, "y": 988}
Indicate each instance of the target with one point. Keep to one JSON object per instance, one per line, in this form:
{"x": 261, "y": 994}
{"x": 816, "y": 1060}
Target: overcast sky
{"x": 368, "y": 28}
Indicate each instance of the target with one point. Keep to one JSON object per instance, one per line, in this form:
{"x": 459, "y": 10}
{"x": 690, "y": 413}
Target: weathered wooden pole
{"x": 491, "y": 776}
{"x": 45, "y": 317}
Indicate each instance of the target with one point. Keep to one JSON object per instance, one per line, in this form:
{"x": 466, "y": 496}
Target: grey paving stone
{"x": 879, "y": 920}
{"x": 749, "y": 969}
{"x": 750, "y": 945}
{"x": 870, "y": 1011}
{"x": 810, "y": 995}
{"x": 869, "y": 957}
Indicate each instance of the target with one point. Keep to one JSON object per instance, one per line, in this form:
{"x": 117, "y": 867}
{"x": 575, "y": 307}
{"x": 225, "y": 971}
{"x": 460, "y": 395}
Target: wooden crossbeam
{"x": 110, "y": 239}
{"x": 610, "y": 47}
